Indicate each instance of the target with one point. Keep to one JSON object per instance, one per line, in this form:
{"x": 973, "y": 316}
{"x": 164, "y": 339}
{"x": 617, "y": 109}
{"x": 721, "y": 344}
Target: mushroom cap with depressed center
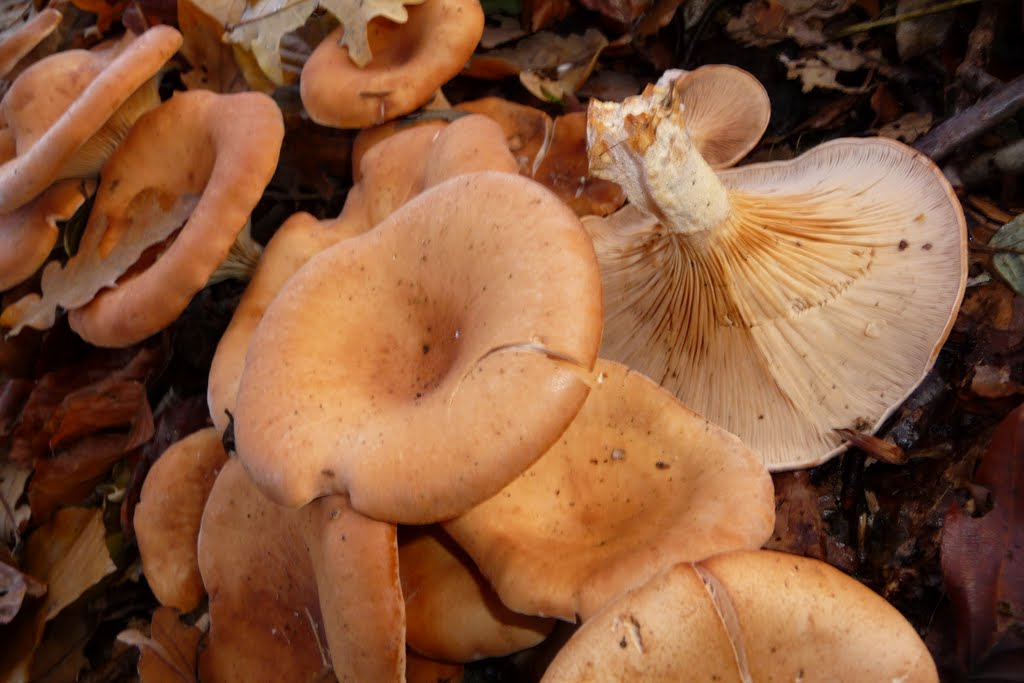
{"x": 24, "y": 39}
{"x": 102, "y": 79}
{"x": 747, "y": 616}
{"x": 637, "y": 483}
{"x": 196, "y": 143}
{"x": 783, "y": 301}
{"x": 168, "y": 515}
{"x": 452, "y": 614}
{"x": 432, "y": 349}
{"x": 395, "y": 170}
{"x": 410, "y": 62}
{"x": 726, "y": 110}
{"x": 28, "y": 233}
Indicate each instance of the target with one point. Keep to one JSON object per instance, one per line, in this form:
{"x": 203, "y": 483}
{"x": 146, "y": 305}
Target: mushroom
{"x": 394, "y": 171}
{"x": 746, "y": 616}
{"x": 410, "y": 62}
{"x": 70, "y": 130}
{"x": 726, "y": 110}
{"x": 193, "y": 153}
{"x": 17, "y": 44}
{"x": 294, "y": 593}
{"x": 783, "y": 301}
{"x": 452, "y": 614}
{"x": 637, "y": 483}
{"x": 27, "y": 234}
{"x": 168, "y": 515}
{"x": 432, "y": 349}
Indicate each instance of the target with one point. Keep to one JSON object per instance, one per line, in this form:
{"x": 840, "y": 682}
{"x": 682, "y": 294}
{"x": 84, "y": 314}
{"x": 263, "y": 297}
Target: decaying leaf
{"x": 549, "y": 65}
{"x": 213, "y": 62}
{"x": 766, "y": 22}
{"x": 1009, "y": 262}
{"x": 908, "y": 127}
{"x": 170, "y": 653}
{"x": 983, "y": 557}
{"x": 13, "y": 513}
{"x": 90, "y": 270}
{"x": 262, "y": 26}
{"x": 14, "y": 587}
{"x": 264, "y": 23}
{"x": 822, "y": 69}
{"x": 13, "y": 15}
{"x": 106, "y": 12}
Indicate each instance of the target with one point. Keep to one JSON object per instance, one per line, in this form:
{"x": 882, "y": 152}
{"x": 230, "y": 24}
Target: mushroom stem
{"x": 241, "y": 261}
{"x": 658, "y": 166}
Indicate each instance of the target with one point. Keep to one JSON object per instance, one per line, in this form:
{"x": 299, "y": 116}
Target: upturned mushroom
{"x": 783, "y": 301}
{"x": 410, "y": 62}
{"x": 70, "y": 131}
{"x": 746, "y": 616}
{"x": 17, "y": 44}
{"x": 637, "y": 483}
{"x": 430, "y": 350}
{"x": 189, "y": 169}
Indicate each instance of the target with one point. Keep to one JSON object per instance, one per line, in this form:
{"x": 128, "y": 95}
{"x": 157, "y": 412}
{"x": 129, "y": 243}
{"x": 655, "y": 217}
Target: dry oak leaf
{"x": 265, "y": 22}
{"x": 170, "y": 653}
{"x": 93, "y": 268}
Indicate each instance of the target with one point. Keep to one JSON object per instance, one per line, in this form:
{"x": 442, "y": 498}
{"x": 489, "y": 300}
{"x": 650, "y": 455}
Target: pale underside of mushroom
{"x": 784, "y": 300}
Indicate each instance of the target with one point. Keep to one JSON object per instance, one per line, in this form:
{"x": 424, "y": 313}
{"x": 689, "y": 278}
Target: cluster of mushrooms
{"x": 463, "y": 413}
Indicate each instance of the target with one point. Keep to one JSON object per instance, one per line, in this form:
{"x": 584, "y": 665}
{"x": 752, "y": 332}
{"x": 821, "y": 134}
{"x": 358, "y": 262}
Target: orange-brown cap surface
{"x": 747, "y": 616}
{"x": 168, "y": 515}
{"x": 637, "y": 483}
{"x": 23, "y": 40}
{"x": 452, "y": 614}
{"x": 410, "y": 62}
{"x": 424, "y": 351}
{"x": 51, "y": 128}
{"x": 224, "y": 149}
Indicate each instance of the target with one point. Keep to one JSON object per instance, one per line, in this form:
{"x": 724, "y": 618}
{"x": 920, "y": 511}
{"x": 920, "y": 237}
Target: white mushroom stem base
{"x": 784, "y": 300}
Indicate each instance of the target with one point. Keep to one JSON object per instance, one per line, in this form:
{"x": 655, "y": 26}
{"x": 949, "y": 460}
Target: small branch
{"x": 896, "y": 19}
{"x": 948, "y": 136}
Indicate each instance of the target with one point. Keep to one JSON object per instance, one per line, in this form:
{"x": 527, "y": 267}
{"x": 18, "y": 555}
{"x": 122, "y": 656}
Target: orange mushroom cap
{"x": 168, "y": 515}
{"x": 410, "y": 62}
{"x": 394, "y": 171}
{"x": 637, "y": 483}
{"x": 747, "y": 616}
{"x": 197, "y": 143}
{"x": 422, "y": 351}
{"x": 51, "y": 128}
{"x": 452, "y": 614}
{"x": 28, "y": 233}
{"x": 24, "y": 39}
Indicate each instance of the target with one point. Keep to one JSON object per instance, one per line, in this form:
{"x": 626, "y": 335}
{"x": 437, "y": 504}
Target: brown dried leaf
{"x": 766, "y": 22}
{"x": 170, "y": 653}
{"x": 983, "y": 557}
{"x": 13, "y": 513}
{"x": 90, "y": 270}
{"x": 14, "y": 586}
{"x": 622, "y": 11}
{"x": 213, "y": 63}
{"x": 70, "y": 476}
{"x": 61, "y": 655}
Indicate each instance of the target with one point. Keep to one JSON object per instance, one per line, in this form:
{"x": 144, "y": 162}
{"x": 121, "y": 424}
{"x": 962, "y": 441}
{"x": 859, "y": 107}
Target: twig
{"x": 896, "y": 19}
{"x": 945, "y": 138}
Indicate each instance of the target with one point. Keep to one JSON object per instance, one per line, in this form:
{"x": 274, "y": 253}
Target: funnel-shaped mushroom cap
{"x": 224, "y": 149}
{"x": 426, "y": 351}
{"x": 747, "y": 616}
{"x": 726, "y": 109}
{"x": 395, "y": 170}
{"x": 27, "y": 234}
{"x": 24, "y": 39}
{"x": 782, "y": 301}
{"x": 527, "y": 129}
{"x": 265, "y": 620}
{"x": 637, "y": 483}
{"x": 452, "y": 614}
{"x": 168, "y": 515}
{"x": 53, "y": 124}
{"x": 410, "y": 62}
